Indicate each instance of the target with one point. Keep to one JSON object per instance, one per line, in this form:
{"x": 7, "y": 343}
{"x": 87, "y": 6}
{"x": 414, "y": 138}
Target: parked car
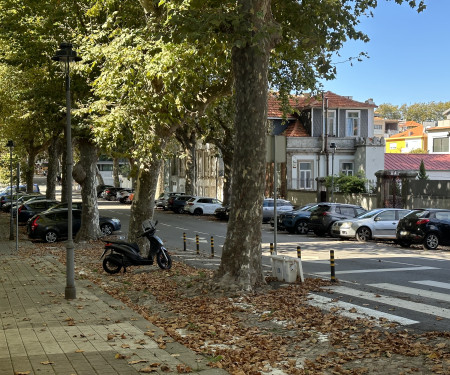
{"x": 101, "y": 189}
{"x": 33, "y": 207}
{"x": 75, "y": 206}
{"x": 21, "y": 198}
{"x": 222, "y": 213}
{"x": 178, "y": 202}
{"x": 110, "y": 193}
{"x": 296, "y": 221}
{"x": 51, "y": 226}
{"x": 23, "y": 188}
{"x": 202, "y": 205}
{"x": 326, "y": 214}
{"x": 122, "y": 195}
{"x": 165, "y": 200}
{"x": 268, "y": 208}
{"x": 430, "y": 227}
{"x": 380, "y": 223}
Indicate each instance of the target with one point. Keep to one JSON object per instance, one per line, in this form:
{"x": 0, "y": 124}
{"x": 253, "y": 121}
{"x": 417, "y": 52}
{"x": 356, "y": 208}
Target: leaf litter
{"x": 271, "y": 331}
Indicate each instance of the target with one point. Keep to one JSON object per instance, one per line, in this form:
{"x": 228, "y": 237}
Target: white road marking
{"x": 376, "y": 298}
{"x": 413, "y": 291}
{"x": 436, "y": 284}
{"x": 381, "y": 270}
{"x": 361, "y": 312}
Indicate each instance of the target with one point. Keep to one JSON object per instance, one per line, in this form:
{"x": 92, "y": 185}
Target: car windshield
{"x": 366, "y": 215}
{"x": 322, "y": 208}
{"x": 417, "y": 214}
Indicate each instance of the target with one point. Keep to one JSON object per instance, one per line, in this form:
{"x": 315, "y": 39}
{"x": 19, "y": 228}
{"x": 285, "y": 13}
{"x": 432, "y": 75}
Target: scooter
{"x": 125, "y": 254}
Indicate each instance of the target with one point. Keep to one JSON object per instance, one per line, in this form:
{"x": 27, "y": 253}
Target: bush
{"x": 348, "y": 184}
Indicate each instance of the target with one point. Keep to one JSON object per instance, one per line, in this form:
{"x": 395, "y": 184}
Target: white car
{"x": 380, "y": 223}
{"x": 268, "y": 208}
{"x": 202, "y": 205}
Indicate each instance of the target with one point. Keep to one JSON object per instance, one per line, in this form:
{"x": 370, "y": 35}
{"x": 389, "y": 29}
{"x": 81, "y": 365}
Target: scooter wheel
{"x": 111, "y": 267}
{"x": 164, "y": 260}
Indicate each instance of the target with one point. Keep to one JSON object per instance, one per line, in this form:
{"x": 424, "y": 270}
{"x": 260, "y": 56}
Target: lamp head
{"x": 10, "y": 144}
{"x": 66, "y": 53}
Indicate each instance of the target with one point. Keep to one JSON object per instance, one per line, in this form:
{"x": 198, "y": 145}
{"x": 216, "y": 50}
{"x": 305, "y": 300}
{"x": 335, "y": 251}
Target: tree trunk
{"x": 100, "y": 180}
{"x": 143, "y": 202}
{"x": 29, "y": 170}
{"x": 84, "y": 173}
{"x": 227, "y": 165}
{"x": 241, "y": 263}
{"x": 53, "y": 167}
{"x": 116, "y": 172}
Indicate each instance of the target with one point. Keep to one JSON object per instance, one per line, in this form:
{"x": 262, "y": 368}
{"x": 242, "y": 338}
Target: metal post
{"x": 197, "y": 242}
{"x": 10, "y": 144}
{"x": 271, "y": 248}
{"x": 275, "y": 180}
{"x": 17, "y": 207}
{"x": 333, "y": 150}
{"x": 333, "y": 273}
{"x": 299, "y": 252}
{"x": 212, "y": 247}
{"x": 184, "y": 241}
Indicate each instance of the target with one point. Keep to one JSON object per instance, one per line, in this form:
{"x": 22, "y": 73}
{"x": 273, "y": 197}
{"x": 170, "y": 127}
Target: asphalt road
{"x": 376, "y": 279}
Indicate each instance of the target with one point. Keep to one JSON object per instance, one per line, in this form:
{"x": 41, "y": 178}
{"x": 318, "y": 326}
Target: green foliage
{"x": 389, "y": 111}
{"x": 348, "y": 184}
{"x": 422, "y": 172}
{"x": 419, "y": 151}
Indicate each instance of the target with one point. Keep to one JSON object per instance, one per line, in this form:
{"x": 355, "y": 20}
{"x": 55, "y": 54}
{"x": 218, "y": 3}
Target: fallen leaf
{"x": 47, "y": 363}
{"x": 110, "y": 336}
{"x": 137, "y": 361}
{"x": 22, "y": 372}
{"x": 147, "y": 369}
{"x": 79, "y": 351}
{"x": 120, "y": 356}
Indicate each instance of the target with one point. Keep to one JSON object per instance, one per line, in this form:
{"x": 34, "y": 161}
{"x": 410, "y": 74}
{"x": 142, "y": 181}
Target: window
{"x": 378, "y": 127}
{"x": 305, "y": 175}
{"x": 331, "y": 123}
{"x": 348, "y": 211}
{"x": 386, "y": 216}
{"x": 352, "y": 124}
{"x": 347, "y": 169}
{"x": 440, "y": 144}
{"x": 105, "y": 167}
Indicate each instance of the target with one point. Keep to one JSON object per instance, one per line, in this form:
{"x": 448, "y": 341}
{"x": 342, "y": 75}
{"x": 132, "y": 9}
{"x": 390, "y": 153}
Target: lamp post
{"x": 10, "y": 144}
{"x": 66, "y": 55}
{"x": 333, "y": 150}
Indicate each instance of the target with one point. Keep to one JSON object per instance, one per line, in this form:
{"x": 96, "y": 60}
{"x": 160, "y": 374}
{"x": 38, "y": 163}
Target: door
{"x": 385, "y": 224}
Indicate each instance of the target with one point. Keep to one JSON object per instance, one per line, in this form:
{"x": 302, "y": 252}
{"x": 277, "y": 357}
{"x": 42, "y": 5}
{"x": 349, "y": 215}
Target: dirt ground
{"x": 272, "y": 332}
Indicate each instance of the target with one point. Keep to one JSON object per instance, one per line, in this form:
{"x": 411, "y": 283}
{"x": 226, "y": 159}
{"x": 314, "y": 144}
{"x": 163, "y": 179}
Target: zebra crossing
{"x": 408, "y": 300}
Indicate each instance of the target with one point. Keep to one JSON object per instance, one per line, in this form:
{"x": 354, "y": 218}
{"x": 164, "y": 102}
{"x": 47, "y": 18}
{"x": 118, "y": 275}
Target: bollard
{"x": 271, "y": 248}
{"x": 212, "y": 247}
{"x": 299, "y": 252}
{"x": 184, "y": 241}
{"x": 197, "y": 241}
{"x": 333, "y": 274}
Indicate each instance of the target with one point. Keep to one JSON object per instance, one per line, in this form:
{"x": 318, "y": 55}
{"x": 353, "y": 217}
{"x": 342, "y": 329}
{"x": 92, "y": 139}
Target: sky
{"x": 409, "y": 56}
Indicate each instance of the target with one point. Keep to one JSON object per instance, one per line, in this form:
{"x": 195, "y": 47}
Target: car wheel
{"x": 106, "y": 229}
{"x": 198, "y": 212}
{"x": 363, "y": 234}
{"x": 51, "y": 236}
{"x": 431, "y": 241}
{"x": 301, "y": 227}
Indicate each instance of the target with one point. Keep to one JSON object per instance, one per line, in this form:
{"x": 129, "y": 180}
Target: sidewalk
{"x": 43, "y": 333}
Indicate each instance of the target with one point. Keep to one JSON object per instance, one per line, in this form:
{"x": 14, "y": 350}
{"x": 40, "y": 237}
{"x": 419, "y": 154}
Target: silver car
{"x": 380, "y": 223}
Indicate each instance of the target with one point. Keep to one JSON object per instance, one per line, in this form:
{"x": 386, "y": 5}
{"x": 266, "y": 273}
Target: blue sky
{"x": 409, "y": 56}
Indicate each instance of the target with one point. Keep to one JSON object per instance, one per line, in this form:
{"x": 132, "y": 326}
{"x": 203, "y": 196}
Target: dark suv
{"x": 177, "y": 203}
{"x": 431, "y": 227}
{"x": 323, "y": 217}
{"x": 296, "y": 221}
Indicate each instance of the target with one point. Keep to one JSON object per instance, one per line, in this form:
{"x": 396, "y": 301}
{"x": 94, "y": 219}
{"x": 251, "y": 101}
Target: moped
{"x": 118, "y": 253}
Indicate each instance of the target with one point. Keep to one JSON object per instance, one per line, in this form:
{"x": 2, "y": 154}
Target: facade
{"x": 411, "y": 139}
{"x": 385, "y": 127}
{"x": 438, "y": 139}
{"x": 348, "y": 126}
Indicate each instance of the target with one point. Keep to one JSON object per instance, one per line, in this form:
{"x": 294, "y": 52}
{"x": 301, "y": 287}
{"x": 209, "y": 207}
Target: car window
{"x": 268, "y": 203}
{"x": 402, "y": 213}
{"x": 191, "y": 200}
{"x": 322, "y": 208}
{"x": 417, "y": 214}
{"x": 350, "y": 211}
{"x": 60, "y": 216}
{"x": 365, "y": 215}
{"x": 443, "y": 215}
{"x": 386, "y": 216}
{"x": 37, "y": 205}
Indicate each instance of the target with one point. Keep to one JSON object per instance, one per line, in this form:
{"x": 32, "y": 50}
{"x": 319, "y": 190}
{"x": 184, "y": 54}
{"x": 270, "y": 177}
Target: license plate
{"x": 404, "y": 233}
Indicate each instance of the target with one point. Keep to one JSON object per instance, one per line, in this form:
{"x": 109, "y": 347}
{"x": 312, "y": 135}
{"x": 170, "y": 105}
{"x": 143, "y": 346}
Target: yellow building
{"x": 411, "y": 139}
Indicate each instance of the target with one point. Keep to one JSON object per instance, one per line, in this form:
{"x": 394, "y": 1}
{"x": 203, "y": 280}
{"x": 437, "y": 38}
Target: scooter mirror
{"x": 156, "y": 223}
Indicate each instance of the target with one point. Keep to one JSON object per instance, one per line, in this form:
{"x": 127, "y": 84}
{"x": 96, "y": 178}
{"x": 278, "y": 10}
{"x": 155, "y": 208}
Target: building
{"x": 437, "y": 166}
{"x": 412, "y": 138}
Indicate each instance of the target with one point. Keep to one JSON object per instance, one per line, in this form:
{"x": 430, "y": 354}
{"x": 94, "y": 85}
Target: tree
{"x": 422, "y": 172}
{"x": 389, "y": 111}
{"x": 294, "y": 42}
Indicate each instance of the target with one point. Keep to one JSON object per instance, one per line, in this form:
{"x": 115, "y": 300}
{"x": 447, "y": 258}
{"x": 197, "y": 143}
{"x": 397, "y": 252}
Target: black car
{"x": 222, "y": 213}
{"x": 33, "y": 207}
{"x": 51, "y": 226}
{"x": 323, "y": 217}
{"x": 110, "y": 193}
{"x": 75, "y": 206}
{"x": 177, "y": 203}
{"x": 101, "y": 189}
{"x": 430, "y": 227}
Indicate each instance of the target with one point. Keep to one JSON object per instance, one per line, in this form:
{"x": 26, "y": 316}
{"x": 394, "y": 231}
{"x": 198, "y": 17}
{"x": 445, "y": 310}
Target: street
{"x": 376, "y": 279}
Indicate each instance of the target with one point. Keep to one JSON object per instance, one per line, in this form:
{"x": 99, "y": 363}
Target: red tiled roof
{"x": 409, "y": 124}
{"x": 416, "y": 131}
{"x": 296, "y": 129}
{"x": 439, "y": 128}
{"x": 306, "y": 101}
{"x": 432, "y": 162}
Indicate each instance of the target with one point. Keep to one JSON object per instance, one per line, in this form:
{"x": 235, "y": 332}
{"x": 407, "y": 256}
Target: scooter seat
{"x": 120, "y": 242}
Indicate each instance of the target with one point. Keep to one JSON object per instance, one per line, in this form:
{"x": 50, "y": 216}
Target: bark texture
{"x": 143, "y": 202}
{"x": 241, "y": 263}
{"x": 54, "y": 151}
{"x": 84, "y": 173}
{"x": 116, "y": 172}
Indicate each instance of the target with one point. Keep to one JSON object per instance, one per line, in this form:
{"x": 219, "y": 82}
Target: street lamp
{"x": 66, "y": 55}
{"x": 333, "y": 150}
{"x": 10, "y": 144}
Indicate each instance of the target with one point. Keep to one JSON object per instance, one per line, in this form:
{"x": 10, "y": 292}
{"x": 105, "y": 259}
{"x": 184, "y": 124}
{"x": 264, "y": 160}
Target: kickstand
{"x": 124, "y": 270}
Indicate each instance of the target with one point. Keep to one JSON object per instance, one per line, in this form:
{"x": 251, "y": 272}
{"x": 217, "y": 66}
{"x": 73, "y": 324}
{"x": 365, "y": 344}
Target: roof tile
{"x": 432, "y": 162}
